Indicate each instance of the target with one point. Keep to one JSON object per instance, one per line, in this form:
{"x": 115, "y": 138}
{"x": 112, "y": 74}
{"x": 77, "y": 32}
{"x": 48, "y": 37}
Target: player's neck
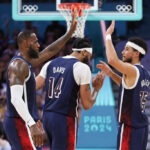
{"x": 135, "y": 62}
{"x": 24, "y": 56}
{"x": 23, "y": 52}
{"x": 77, "y": 55}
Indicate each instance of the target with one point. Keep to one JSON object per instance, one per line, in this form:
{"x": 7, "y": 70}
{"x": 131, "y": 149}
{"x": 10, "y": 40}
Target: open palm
{"x": 110, "y": 30}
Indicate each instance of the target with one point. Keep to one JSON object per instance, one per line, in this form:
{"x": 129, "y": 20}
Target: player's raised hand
{"x": 37, "y": 135}
{"x": 110, "y": 29}
{"x": 97, "y": 81}
{"x": 105, "y": 68}
{"x": 74, "y": 22}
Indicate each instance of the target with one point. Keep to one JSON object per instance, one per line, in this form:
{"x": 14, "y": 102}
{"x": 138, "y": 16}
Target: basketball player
{"x": 66, "y": 78}
{"x": 134, "y": 89}
{"x": 21, "y": 123}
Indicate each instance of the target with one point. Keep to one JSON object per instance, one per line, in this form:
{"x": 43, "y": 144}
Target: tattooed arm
{"x": 56, "y": 46}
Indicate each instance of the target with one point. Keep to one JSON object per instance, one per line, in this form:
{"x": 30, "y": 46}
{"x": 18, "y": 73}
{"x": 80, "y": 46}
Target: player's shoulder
{"x": 18, "y": 65}
{"x": 82, "y": 65}
{"x": 143, "y": 70}
{"x": 82, "y": 68}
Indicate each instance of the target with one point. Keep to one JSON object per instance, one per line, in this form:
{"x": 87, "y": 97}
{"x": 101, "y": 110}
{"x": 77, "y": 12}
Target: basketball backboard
{"x": 100, "y": 9}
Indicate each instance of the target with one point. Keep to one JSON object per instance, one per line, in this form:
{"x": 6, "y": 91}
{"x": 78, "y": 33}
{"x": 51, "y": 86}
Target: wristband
{"x": 108, "y": 37}
{"x": 95, "y": 95}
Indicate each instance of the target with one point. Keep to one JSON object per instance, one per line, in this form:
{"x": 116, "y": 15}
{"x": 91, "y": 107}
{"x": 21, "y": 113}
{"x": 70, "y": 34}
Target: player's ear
{"x": 137, "y": 53}
{"x": 24, "y": 43}
{"x": 83, "y": 53}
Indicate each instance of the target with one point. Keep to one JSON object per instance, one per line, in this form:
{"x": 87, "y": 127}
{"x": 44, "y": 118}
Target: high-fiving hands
{"x": 110, "y": 29}
{"x": 74, "y": 22}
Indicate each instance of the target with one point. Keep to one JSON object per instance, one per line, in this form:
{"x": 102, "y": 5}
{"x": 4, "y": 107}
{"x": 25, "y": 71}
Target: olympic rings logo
{"x": 124, "y": 8}
{"x": 30, "y": 8}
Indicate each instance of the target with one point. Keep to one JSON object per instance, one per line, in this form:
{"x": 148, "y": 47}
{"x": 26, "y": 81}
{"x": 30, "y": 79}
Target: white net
{"x": 82, "y": 12}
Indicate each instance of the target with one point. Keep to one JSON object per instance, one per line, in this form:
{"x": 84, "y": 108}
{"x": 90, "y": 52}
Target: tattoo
{"x": 51, "y": 50}
{"x": 88, "y": 87}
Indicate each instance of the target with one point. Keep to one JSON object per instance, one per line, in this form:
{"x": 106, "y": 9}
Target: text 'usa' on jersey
{"x": 61, "y": 88}
{"x": 132, "y": 100}
{"x": 29, "y": 93}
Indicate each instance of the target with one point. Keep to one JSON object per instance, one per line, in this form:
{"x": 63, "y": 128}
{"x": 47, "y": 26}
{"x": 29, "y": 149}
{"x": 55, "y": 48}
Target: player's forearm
{"x": 111, "y": 53}
{"x": 55, "y": 47}
{"x": 94, "y": 96}
{"x": 116, "y": 78}
{"x": 52, "y": 49}
{"x": 91, "y": 100}
{"x": 19, "y": 104}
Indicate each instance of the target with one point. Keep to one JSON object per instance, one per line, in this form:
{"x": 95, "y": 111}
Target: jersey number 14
{"x": 55, "y": 91}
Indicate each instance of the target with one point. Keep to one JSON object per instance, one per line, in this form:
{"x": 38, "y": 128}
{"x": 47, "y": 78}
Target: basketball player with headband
{"x": 65, "y": 79}
{"x": 134, "y": 90}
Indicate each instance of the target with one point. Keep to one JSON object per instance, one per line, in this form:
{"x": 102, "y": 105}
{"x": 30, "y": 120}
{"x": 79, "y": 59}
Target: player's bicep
{"x": 40, "y": 79}
{"x": 17, "y": 73}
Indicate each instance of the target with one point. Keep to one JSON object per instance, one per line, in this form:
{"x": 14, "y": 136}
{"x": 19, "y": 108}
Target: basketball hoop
{"x": 67, "y": 9}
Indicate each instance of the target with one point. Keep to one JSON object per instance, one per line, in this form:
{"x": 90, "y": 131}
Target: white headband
{"x": 81, "y": 49}
{"x": 137, "y": 47}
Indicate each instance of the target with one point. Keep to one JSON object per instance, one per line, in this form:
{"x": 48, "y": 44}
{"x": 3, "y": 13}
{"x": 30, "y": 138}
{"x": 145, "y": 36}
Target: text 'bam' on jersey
{"x": 145, "y": 83}
{"x": 59, "y": 70}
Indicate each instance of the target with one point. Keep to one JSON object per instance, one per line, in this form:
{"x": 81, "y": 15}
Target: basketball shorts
{"x": 130, "y": 138}
{"x": 18, "y": 134}
{"x": 61, "y": 131}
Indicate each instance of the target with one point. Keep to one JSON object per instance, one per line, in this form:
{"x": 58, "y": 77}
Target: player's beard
{"x": 32, "y": 53}
{"x": 86, "y": 60}
{"x": 129, "y": 60}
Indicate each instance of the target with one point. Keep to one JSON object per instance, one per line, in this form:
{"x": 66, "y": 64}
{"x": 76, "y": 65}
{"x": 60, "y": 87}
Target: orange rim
{"x": 73, "y": 6}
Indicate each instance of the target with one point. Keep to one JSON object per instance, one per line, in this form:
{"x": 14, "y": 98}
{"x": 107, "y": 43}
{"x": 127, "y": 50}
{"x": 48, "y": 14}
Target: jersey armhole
{"x": 27, "y": 78}
{"x": 136, "y": 80}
